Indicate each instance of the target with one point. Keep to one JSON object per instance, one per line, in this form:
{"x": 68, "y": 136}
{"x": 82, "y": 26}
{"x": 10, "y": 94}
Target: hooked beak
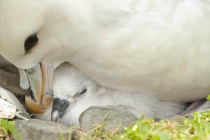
{"x": 59, "y": 108}
{"x": 39, "y": 82}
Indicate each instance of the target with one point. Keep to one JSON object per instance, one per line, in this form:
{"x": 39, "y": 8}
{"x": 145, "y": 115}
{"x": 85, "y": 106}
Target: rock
{"x": 41, "y": 130}
{"x": 112, "y": 116}
{"x": 11, "y": 99}
{"x": 6, "y": 66}
{"x": 9, "y": 77}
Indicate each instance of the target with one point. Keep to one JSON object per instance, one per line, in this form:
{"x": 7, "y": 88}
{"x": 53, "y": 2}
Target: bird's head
{"x": 30, "y": 39}
{"x": 31, "y": 32}
{"x": 73, "y": 92}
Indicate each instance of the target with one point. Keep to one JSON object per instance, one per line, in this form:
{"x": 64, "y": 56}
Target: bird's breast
{"x": 162, "y": 52}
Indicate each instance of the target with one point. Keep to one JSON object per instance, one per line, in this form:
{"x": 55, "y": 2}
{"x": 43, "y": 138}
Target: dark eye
{"x": 83, "y": 92}
{"x": 30, "y": 42}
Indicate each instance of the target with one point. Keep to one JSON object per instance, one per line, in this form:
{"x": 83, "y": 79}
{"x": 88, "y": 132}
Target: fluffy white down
{"x": 150, "y": 46}
{"x": 69, "y": 81}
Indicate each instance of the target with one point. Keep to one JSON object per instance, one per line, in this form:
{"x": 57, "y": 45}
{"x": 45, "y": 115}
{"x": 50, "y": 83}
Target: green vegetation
{"x": 6, "y": 129}
{"x": 196, "y": 127}
{"x": 208, "y": 98}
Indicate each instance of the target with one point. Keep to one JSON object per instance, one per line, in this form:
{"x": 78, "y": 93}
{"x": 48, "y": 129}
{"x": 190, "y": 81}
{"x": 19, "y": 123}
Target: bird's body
{"x": 69, "y": 83}
{"x": 145, "y": 46}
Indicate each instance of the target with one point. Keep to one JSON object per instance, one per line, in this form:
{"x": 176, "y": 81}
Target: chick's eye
{"x": 30, "y": 42}
{"x": 83, "y": 92}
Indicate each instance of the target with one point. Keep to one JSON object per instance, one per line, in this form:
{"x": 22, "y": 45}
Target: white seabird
{"x": 149, "y": 46}
{"x": 74, "y": 93}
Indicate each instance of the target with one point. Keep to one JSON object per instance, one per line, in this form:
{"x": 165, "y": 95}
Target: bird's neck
{"x": 69, "y": 21}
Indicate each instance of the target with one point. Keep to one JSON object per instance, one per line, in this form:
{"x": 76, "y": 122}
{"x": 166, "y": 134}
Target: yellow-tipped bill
{"x": 40, "y": 81}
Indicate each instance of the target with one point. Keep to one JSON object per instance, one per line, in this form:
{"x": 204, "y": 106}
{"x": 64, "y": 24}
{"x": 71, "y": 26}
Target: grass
{"x": 6, "y": 129}
{"x": 196, "y": 127}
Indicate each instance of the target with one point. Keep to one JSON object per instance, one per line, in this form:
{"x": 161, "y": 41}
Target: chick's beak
{"x": 59, "y": 108}
{"x": 38, "y": 80}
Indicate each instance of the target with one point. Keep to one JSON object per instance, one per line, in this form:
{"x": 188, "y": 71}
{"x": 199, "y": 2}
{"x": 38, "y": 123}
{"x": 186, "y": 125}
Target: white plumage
{"x": 69, "y": 82}
{"x": 149, "y": 46}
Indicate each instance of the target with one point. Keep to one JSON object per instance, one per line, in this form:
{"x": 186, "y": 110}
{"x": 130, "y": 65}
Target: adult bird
{"x": 74, "y": 93}
{"x": 157, "y": 47}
